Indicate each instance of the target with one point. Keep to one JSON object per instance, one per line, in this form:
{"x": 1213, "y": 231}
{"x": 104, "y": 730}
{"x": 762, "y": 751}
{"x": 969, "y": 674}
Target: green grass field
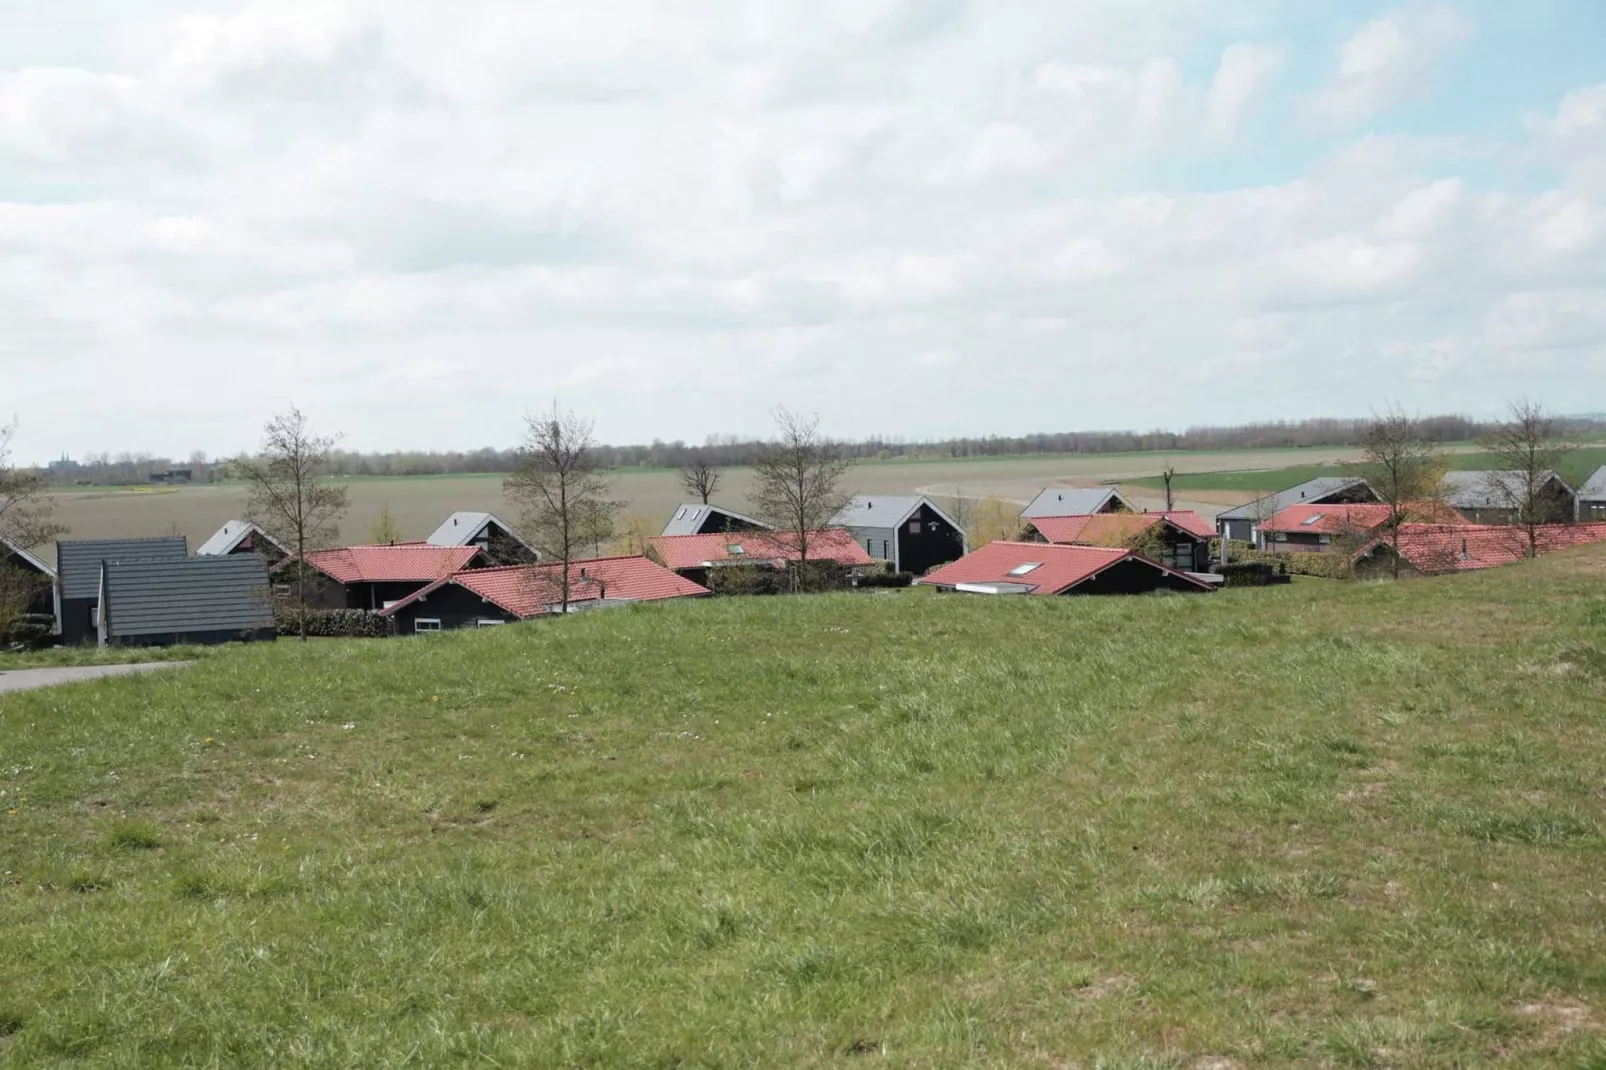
{"x": 1351, "y": 825}
{"x": 1578, "y": 466}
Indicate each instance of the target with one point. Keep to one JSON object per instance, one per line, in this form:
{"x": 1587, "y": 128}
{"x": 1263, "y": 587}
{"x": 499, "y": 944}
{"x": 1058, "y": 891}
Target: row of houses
{"x": 1479, "y": 497}
{"x": 476, "y": 571}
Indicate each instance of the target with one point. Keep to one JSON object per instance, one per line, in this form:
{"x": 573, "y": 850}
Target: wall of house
{"x": 1241, "y": 530}
{"x": 1185, "y": 552}
{"x": 1294, "y": 542}
{"x": 77, "y": 621}
{"x": 454, "y": 606}
{"x": 193, "y": 638}
{"x": 717, "y": 523}
{"x": 936, "y": 542}
{"x": 1134, "y": 577}
{"x": 879, "y": 543}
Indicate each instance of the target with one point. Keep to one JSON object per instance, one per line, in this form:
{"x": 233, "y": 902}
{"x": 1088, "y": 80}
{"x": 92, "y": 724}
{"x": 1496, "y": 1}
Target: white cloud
{"x": 1246, "y": 72}
{"x": 422, "y": 222}
{"x": 1390, "y": 60}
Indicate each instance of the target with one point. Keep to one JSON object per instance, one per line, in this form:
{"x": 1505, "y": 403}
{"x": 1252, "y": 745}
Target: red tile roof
{"x": 1060, "y": 568}
{"x": 391, "y": 564}
{"x": 1116, "y": 529}
{"x": 758, "y": 547}
{"x": 527, "y": 591}
{"x": 1354, "y": 519}
{"x": 1437, "y": 548}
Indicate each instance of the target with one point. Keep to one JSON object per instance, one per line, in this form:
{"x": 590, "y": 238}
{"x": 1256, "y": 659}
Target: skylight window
{"x": 735, "y": 549}
{"x": 1308, "y": 521}
{"x": 682, "y": 514}
{"x": 1021, "y": 570}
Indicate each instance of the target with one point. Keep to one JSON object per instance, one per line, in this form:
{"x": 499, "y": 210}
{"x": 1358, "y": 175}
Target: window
{"x": 94, "y": 616}
{"x": 282, "y": 590}
{"x": 869, "y": 547}
{"x": 1325, "y": 539}
{"x": 735, "y": 549}
{"x": 484, "y": 622}
{"x": 424, "y": 625}
{"x": 914, "y": 527}
{"x": 1030, "y": 566}
{"x": 392, "y": 602}
{"x": 1281, "y": 536}
{"x": 1312, "y": 519}
{"x": 681, "y": 515}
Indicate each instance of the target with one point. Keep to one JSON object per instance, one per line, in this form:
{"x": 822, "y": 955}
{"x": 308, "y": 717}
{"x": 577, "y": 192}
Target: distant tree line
{"x": 724, "y": 451}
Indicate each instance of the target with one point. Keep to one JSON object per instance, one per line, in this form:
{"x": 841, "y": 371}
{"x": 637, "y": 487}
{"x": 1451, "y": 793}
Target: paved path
{"x": 29, "y": 679}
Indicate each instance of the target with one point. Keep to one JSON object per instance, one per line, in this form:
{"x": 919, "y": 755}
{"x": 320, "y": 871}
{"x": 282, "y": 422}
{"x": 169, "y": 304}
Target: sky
{"x": 421, "y": 222}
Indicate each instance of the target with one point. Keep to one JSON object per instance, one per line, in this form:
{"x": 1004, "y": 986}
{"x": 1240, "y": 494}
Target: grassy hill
{"x": 1319, "y": 825}
{"x": 1578, "y": 466}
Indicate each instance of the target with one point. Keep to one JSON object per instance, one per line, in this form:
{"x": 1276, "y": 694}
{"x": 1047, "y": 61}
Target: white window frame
{"x": 281, "y": 590}
{"x": 420, "y": 622}
{"x": 487, "y": 622}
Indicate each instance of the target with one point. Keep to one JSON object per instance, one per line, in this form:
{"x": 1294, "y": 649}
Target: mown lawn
{"x": 1577, "y": 466}
{"x": 1319, "y": 825}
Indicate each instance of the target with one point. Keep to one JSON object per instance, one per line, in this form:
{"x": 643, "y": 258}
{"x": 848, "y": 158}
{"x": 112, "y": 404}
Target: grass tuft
{"x": 134, "y": 836}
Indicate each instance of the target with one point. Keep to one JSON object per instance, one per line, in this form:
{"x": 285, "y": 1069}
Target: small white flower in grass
{"x": 349, "y": 725}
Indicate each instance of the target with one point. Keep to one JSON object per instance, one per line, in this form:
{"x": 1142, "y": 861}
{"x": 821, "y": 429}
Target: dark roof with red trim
{"x": 1058, "y": 568}
{"x": 758, "y": 547}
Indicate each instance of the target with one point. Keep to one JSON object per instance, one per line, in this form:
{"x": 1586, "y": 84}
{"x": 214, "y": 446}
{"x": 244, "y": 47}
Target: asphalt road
{"x": 29, "y": 679}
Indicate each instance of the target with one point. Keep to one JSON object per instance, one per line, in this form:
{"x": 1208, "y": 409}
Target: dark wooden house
{"x": 910, "y": 532}
{"x": 78, "y": 578}
{"x": 692, "y": 518}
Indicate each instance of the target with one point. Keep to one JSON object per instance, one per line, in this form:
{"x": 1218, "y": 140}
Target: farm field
{"x": 419, "y": 504}
{"x": 1578, "y": 466}
{"x": 1321, "y": 825}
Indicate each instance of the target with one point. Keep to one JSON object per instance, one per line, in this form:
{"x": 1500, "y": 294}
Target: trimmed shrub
{"x": 761, "y": 579}
{"x": 1251, "y": 574}
{"x": 886, "y": 579}
{"x": 334, "y": 624}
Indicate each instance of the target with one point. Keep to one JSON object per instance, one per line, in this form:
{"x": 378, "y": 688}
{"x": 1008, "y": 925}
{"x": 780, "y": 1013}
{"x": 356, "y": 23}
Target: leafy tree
{"x": 563, "y": 495}
{"x": 384, "y": 530}
{"x": 286, "y": 497}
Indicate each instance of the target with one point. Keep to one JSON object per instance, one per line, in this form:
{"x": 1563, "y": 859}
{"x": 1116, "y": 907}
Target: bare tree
{"x": 25, "y": 508}
{"x": 700, "y": 477}
{"x": 285, "y": 494}
{"x": 561, "y": 491}
{"x": 25, "y": 522}
{"x": 1402, "y": 469}
{"x": 798, "y": 485}
{"x": 1528, "y": 450}
{"x": 963, "y": 511}
{"x": 1168, "y": 473}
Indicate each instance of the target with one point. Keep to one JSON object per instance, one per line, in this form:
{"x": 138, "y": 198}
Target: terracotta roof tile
{"x": 1058, "y": 568}
{"x": 527, "y": 591}
{"x": 1117, "y": 529}
{"x": 1355, "y": 519}
{"x": 391, "y": 564}
{"x": 1439, "y": 548}
{"x": 758, "y": 547}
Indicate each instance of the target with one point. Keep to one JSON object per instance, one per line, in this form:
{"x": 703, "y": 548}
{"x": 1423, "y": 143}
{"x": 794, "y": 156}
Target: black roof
{"x": 78, "y": 560}
{"x": 188, "y": 596}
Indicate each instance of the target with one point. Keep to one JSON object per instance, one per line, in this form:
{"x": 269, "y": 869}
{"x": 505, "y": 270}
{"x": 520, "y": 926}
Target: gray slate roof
{"x": 7, "y": 547}
{"x": 1311, "y": 490}
{"x": 690, "y": 516}
{"x": 1071, "y": 501}
{"x": 78, "y": 560}
{"x": 229, "y": 537}
{"x": 885, "y": 510}
{"x": 1486, "y": 490}
{"x": 1594, "y": 488}
{"x": 461, "y": 529}
{"x": 188, "y": 596}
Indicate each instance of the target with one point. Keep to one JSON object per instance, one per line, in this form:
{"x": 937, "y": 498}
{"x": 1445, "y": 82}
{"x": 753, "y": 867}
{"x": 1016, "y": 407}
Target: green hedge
{"x": 887, "y": 579}
{"x": 334, "y": 624}
{"x": 1327, "y": 565}
{"x": 762, "y": 579}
